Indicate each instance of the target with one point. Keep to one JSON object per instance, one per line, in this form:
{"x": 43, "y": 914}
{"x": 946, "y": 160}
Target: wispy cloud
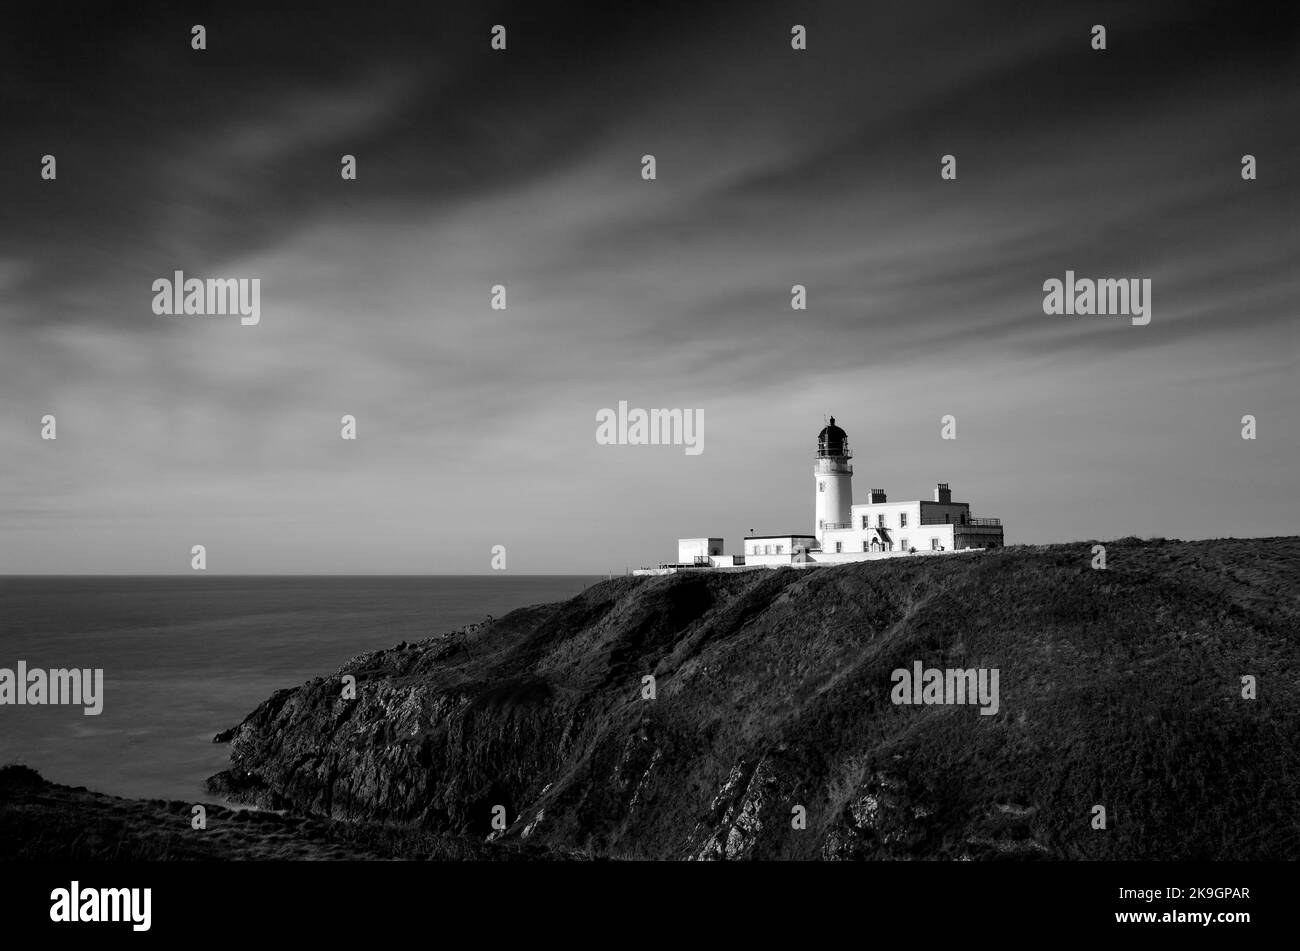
{"x": 522, "y": 169}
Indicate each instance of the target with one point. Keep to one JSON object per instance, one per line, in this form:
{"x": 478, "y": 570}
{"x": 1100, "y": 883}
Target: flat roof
{"x": 792, "y": 535}
{"x": 908, "y": 502}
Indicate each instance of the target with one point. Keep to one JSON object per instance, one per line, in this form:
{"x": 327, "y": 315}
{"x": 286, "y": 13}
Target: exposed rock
{"x": 43, "y": 821}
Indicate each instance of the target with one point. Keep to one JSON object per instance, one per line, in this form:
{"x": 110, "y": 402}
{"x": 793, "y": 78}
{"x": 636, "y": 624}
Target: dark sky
{"x": 522, "y": 168}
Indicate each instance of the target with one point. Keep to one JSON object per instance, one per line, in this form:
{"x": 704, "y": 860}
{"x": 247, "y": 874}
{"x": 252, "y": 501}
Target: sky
{"x": 522, "y": 167}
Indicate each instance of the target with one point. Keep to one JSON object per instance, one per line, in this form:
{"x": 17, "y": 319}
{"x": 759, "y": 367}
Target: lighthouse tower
{"x": 833, "y": 474}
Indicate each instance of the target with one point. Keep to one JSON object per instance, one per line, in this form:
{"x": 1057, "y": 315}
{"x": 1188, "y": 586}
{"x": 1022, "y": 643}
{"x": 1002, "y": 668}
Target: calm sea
{"x": 186, "y": 657}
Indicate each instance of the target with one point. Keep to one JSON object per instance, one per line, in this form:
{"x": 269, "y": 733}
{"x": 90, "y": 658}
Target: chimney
{"x": 942, "y": 493}
{"x": 877, "y": 495}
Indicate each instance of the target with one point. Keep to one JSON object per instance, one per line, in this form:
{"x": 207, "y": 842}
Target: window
{"x": 902, "y": 520}
{"x": 934, "y": 544}
{"x": 902, "y": 543}
{"x": 821, "y": 486}
{"x": 778, "y": 549}
{"x": 767, "y": 549}
{"x": 880, "y": 521}
{"x": 866, "y": 547}
{"x": 839, "y": 546}
{"x": 866, "y": 521}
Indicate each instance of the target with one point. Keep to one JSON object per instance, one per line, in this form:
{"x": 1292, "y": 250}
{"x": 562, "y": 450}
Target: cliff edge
{"x": 1119, "y": 688}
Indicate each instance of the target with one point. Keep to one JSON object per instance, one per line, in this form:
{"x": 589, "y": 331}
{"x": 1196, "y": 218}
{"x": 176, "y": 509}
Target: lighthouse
{"x": 844, "y": 532}
{"x": 833, "y": 475}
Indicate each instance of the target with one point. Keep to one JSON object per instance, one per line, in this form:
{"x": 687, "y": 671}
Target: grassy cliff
{"x": 1118, "y": 687}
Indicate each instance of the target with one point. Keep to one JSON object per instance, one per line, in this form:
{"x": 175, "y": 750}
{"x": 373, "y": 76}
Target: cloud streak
{"x": 522, "y": 168}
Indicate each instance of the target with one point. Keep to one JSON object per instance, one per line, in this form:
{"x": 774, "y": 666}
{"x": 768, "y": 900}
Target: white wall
{"x": 761, "y": 562}
{"x": 788, "y": 543}
{"x": 916, "y": 536}
{"x": 689, "y": 548}
{"x": 830, "y": 558}
{"x": 832, "y": 492}
{"x": 891, "y": 511}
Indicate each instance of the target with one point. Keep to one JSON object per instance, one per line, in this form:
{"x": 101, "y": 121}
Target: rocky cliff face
{"x": 772, "y": 734}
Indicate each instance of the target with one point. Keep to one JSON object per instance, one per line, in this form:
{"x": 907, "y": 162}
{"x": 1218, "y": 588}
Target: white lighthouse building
{"x": 833, "y": 472}
{"x": 844, "y": 531}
